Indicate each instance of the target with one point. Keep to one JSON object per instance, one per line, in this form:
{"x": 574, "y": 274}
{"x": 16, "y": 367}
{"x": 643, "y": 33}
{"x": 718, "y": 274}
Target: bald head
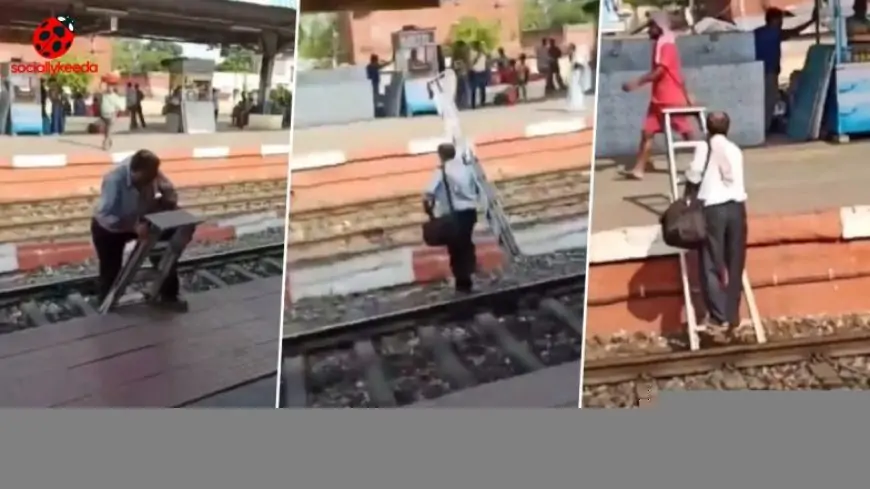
{"x": 718, "y": 123}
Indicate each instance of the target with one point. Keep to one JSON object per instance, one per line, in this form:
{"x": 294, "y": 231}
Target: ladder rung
{"x": 684, "y": 110}
{"x": 686, "y": 144}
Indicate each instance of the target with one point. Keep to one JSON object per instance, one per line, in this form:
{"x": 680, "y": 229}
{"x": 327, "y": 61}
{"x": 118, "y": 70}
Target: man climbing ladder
{"x": 716, "y": 172}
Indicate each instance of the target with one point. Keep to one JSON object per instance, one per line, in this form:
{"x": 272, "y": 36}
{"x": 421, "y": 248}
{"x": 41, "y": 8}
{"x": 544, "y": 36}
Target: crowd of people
{"x": 477, "y": 68}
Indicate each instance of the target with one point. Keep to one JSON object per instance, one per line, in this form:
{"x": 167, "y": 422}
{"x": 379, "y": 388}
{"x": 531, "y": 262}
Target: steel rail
{"x": 59, "y": 285}
{"x": 678, "y": 364}
{"x": 500, "y": 299}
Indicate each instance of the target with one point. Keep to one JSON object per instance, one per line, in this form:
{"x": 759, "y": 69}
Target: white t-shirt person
{"x": 724, "y": 180}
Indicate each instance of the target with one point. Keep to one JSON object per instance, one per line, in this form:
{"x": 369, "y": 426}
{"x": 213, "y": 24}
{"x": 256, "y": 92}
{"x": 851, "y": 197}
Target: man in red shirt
{"x": 668, "y": 90}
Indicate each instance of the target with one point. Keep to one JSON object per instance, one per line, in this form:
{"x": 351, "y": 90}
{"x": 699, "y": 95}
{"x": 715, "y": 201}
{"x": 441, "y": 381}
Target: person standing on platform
{"x": 130, "y": 191}
{"x": 110, "y": 105}
{"x": 216, "y": 102}
{"x": 461, "y": 59}
{"x": 130, "y": 103}
{"x": 768, "y": 50}
{"x": 479, "y": 75}
{"x": 523, "y": 78}
{"x": 373, "y": 73}
{"x": 453, "y": 190}
{"x": 43, "y": 98}
{"x": 716, "y": 176}
{"x": 576, "y": 81}
{"x": 542, "y": 57}
{"x": 668, "y": 90}
{"x": 58, "y": 117}
{"x": 555, "y": 54}
{"x": 138, "y": 112}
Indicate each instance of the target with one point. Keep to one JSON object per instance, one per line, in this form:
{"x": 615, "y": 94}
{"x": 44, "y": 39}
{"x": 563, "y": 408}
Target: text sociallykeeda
{"x": 54, "y": 68}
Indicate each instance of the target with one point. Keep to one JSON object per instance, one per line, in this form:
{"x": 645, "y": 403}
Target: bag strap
{"x": 446, "y": 183}
{"x": 706, "y": 163}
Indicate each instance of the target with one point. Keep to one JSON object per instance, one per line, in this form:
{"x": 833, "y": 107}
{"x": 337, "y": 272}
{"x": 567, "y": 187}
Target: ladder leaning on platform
{"x": 672, "y": 146}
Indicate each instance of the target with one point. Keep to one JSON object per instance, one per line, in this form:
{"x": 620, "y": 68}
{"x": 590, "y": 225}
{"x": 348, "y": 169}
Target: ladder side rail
{"x": 487, "y": 193}
{"x": 746, "y": 285}
{"x": 691, "y": 317}
{"x": 176, "y": 246}
{"x": 129, "y": 270}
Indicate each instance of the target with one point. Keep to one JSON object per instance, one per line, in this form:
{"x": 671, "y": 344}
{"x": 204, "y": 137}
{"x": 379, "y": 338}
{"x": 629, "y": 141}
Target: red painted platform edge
{"x": 433, "y": 264}
{"x": 34, "y": 256}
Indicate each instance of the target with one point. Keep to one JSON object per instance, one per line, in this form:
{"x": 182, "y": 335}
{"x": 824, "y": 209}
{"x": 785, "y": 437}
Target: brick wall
{"x": 364, "y": 33}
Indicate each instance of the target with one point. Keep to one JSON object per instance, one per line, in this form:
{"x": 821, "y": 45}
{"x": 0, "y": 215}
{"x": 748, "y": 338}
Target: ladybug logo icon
{"x": 54, "y": 36}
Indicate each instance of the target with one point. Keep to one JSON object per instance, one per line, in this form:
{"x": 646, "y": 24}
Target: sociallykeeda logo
{"x": 52, "y": 39}
{"x": 54, "y": 68}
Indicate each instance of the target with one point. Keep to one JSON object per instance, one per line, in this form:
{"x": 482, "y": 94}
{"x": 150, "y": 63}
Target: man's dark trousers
{"x": 723, "y": 258}
{"x": 463, "y": 255}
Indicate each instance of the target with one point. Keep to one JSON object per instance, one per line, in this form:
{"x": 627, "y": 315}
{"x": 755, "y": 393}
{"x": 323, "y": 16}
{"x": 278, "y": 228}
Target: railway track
{"x": 370, "y": 226}
{"x": 55, "y": 301}
{"x": 512, "y": 347}
{"x": 63, "y": 219}
{"x": 839, "y": 361}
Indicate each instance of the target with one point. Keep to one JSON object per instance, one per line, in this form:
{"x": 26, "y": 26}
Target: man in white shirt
{"x": 453, "y": 190}
{"x": 716, "y": 174}
{"x": 110, "y": 105}
{"x": 479, "y": 75}
{"x": 542, "y": 57}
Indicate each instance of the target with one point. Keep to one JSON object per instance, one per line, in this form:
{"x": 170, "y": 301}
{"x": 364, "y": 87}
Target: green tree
{"x": 124, "y": 55}
{"x": 317, "y": 38}
{"x": 533, "y": 16}
{"x": 569, "y": 12}
{"x": 77, "y": 82}
{"x": 546, "y": 14}
{"x": 237, "y": 59}
{"x": 470, "y": 30}
{"x": 134, "y": 56}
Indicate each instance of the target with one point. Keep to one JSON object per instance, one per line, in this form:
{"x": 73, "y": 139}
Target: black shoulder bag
{"x": 683, "y": 223}
{"x": 441, "y": 231}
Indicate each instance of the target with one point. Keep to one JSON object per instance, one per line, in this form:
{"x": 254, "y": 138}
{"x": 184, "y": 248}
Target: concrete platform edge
{"x": 420, "y": 146}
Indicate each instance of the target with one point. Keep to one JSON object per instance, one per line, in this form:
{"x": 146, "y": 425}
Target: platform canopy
{"x": 310, "y": 6}
{"x": 214, "y": 22}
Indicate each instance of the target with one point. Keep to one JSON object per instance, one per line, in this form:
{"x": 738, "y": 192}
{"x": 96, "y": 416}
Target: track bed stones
{"x": 433, "y": 355}
{"x": 69, "y": 219}
{"x": 829, "y": 353}
{"x": 31, "y": 305}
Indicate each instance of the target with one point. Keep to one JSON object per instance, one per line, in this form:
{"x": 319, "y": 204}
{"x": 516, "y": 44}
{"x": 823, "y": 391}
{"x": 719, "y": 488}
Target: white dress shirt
{"x": 723, "y": 181}
{"x": 463, "y": 188}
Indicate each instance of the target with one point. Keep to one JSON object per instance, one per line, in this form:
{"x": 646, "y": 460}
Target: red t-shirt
{"x": 669, "y": 90}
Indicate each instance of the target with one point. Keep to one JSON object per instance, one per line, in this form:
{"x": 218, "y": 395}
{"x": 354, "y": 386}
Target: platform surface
{"x": 783, "y": 179}
{"x": 259, "y": 394}
{"x": 398, "y": 131}
{"x": 150, "y": 138}
{"x": 141, "y": 357}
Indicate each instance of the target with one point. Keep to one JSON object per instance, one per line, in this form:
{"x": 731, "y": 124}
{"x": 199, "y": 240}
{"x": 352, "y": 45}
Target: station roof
{"x": 195, "y": 21}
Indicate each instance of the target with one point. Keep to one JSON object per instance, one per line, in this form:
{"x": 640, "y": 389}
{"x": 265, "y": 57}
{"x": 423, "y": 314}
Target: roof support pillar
{"x": 269, "y": 48}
